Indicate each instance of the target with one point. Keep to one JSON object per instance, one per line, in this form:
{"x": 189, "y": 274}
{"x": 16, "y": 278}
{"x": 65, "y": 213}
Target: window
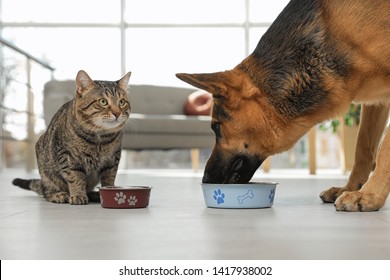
{"x": 152, "y": 38}
{"x": 60, "y": 11}
{"x": 185, "y": 12}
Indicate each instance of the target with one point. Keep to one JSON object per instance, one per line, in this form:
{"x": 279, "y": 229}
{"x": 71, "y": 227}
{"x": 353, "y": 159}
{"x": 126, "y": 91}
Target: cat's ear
{"x": 124, "y": 82}
{"x": 83, "y": 82}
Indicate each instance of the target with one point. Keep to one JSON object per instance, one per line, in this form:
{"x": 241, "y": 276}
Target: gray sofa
{"x": 157, "y": 120}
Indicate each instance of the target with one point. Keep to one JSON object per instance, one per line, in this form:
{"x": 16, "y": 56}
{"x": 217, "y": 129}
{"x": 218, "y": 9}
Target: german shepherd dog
{"x": 315, "y": 59}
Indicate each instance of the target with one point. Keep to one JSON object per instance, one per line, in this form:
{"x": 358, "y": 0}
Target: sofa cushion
{"x": 157, "y": 100}
{"x": 168, "y": 124}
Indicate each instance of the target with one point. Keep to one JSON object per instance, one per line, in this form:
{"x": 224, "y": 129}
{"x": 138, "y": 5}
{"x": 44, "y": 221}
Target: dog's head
{"x": 247, "y": 128}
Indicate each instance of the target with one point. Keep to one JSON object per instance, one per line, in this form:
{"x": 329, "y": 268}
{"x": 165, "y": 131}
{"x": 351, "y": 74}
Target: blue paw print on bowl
{"x": 219, "y": 196}
{"x": 272, "y": 196}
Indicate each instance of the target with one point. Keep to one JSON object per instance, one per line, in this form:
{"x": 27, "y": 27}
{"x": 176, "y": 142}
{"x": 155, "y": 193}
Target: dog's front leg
{"x": 372, "y": 125}
{"x": 374, "y": 193}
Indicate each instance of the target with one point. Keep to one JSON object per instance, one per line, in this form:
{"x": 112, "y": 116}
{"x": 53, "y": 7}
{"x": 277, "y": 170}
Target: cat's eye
{"x": 122, "y": 102}
{"x": 103, "y": 102}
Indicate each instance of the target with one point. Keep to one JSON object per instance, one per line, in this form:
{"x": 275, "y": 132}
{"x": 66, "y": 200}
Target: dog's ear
{"x": 215, "y": 83}
{"x": 221, "y": 84}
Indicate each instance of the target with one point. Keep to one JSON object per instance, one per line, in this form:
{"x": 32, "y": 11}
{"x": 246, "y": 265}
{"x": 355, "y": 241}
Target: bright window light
{"x": 179, "y": 11}
{"x": 61, "y": 11}
{"x": 158, "y": 54}
{"x": 155, "y": 40}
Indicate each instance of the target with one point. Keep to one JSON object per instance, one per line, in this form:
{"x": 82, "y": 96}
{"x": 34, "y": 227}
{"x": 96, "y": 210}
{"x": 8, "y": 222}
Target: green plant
{"x": 351, "y": 118}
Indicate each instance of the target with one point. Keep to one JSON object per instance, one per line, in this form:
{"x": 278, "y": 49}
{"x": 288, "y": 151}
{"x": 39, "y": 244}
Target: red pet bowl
{"x": 124, "y": 197}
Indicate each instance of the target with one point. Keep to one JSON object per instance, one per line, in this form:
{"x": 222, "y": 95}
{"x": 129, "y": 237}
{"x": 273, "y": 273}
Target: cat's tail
{"x": 33, "y": 185}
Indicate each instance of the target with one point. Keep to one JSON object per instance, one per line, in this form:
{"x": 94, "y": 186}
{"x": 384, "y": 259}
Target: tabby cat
{"x": 82, "y": 144}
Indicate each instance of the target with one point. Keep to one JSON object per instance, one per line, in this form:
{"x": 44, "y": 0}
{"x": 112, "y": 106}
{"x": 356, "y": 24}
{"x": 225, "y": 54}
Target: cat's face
{"x": 102, "y": 105}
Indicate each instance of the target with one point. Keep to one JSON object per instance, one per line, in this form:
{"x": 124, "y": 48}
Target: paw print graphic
{"x": 132, "y": 200}
{"x": 120, "y": 197}
{"x": 219, "y": 196}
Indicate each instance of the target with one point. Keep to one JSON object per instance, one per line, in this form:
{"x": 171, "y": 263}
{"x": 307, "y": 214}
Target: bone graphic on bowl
{"x": 241, "y": 198}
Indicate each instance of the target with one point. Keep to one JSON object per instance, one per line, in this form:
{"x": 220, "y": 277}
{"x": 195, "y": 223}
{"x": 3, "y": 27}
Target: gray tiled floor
{"x": 177, "y": 225}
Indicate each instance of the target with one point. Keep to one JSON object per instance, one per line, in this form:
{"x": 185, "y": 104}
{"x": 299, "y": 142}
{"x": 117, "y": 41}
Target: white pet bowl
{"x": 251, "y": 195}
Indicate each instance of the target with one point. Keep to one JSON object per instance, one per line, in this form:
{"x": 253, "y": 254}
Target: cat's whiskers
{"x": 93, "y": 127}
{"x": 109, "y": 123}
{"x": 133, "y": 126}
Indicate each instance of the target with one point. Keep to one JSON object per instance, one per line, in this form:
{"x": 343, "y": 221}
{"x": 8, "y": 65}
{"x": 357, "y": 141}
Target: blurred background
{"x": 43, "y": 40}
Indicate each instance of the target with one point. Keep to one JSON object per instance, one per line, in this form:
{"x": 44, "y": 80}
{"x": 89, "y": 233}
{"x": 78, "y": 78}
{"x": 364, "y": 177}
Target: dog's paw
{"x": 358, "y": 201}
{"x": 330, "y": 195}
{"x": 78, "y": 199}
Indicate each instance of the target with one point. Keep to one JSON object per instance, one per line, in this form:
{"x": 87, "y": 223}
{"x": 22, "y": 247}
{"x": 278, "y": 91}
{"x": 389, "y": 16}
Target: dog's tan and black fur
{"x": 315, "y": 59}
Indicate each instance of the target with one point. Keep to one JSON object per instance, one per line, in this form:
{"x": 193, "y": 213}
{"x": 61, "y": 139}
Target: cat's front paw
{"x": 78, "y": 199}
{"x": 57, "y": 197}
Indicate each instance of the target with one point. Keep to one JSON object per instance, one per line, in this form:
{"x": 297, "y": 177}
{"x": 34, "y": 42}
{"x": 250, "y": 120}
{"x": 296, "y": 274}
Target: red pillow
{"x": 198, "y": 103}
